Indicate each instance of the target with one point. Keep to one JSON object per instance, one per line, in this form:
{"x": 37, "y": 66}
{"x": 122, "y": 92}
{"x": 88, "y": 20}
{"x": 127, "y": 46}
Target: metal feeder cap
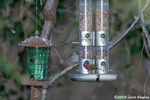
{"x": 35, "y": 42}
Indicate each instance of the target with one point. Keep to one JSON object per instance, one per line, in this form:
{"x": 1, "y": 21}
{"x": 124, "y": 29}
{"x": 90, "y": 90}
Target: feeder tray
{"x": 92, "y": 77}
{"x": 28, "y": 81}
{"x": 36, "y": 61}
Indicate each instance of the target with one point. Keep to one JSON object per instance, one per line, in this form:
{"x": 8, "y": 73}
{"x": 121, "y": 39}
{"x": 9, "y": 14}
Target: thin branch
{"x": 50, "y": 17}
{"x": 138, "y": 26}
{"x": 60, "y": 59}
{"x": 146, "y": 47}
{"x": 146, "y": 5}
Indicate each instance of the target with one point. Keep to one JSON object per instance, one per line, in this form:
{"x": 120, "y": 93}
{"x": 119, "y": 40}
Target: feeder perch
{"x": 94, "y": 41}
{"x": 36, "y": 61}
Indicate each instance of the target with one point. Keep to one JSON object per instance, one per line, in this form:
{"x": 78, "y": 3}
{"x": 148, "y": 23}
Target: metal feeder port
{"x": 36, "y": 61}
{"x": 94, "y": 41}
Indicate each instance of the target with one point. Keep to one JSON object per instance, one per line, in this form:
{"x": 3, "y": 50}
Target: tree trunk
{"x": 49, "y": 17}
{"x": 35, "y": 93}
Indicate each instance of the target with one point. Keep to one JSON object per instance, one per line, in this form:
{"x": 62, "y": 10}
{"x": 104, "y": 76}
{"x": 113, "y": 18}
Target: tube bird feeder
{"x": 94, "y": 41}
{"x": 87, "y": 35}
{"x": 36, "y": 61}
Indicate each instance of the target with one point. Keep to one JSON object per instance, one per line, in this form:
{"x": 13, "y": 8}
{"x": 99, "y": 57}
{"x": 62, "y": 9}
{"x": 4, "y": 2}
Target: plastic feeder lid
{"x": 35, "y": 42}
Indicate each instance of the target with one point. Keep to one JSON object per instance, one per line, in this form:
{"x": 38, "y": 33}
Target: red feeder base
{"x": 33, "y": 83}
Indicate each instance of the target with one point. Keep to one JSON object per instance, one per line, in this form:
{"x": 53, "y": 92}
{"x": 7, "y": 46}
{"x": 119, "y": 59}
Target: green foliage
{"x": 7, "y": 71}
{"x": 13, "y": 92}
{"x": 5, "y": 66}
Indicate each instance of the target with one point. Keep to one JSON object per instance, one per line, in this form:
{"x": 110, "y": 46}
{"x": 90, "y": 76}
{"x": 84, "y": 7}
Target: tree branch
{"x": 35, "y": 93}
{"x": 49, "y": 17}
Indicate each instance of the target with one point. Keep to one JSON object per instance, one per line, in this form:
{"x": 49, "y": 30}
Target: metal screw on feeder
{"x": 94, "y": 41}
{"x": 36, "y": 60}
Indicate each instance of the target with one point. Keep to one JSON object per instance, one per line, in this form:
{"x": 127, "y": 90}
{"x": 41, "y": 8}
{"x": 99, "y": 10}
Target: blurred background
{"x": 17, "y": 22}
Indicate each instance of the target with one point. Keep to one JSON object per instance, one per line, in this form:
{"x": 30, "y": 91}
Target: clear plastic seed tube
{"x": 87, "y": 37}
{"x": 102, "y": 15}
{"x": 86, "y": 15}
{"x": 102, "y": 36}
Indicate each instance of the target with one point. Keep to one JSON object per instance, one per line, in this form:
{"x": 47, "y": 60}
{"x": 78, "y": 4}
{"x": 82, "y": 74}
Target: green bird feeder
{"x": 36, "y": 60}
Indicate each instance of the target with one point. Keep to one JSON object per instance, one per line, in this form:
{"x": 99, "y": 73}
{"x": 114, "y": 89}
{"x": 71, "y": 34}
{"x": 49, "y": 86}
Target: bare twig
{"x": 60, "y": 59}
{"x": 50, "y": 17}
{"x": 146, "y": 47}
{"x": 138, "y": 26}
{"x": 146, "y": 5}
